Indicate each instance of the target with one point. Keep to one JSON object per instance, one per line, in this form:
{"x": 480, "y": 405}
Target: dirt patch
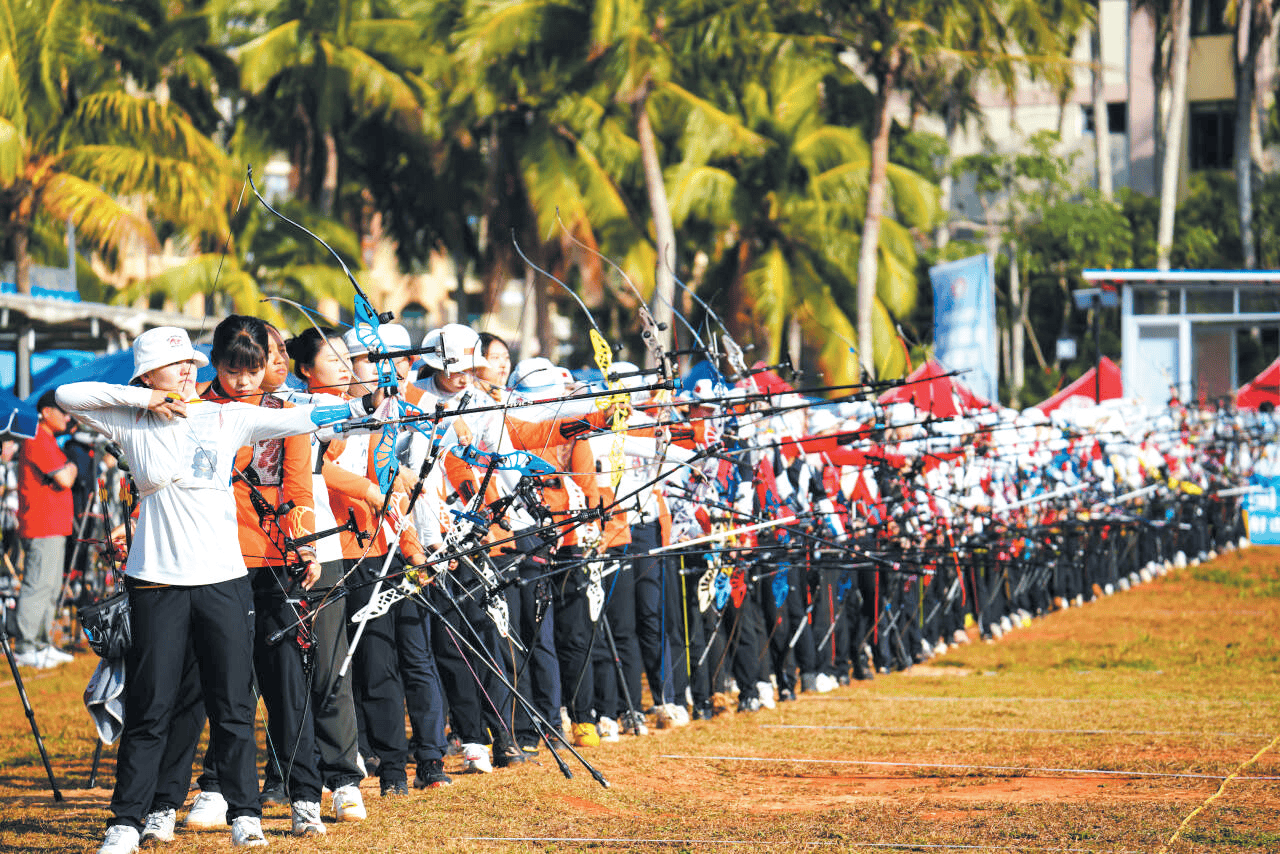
{"x": 935, "y": 670}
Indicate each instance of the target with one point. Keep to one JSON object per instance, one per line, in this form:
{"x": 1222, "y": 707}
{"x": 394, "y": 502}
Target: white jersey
{"x": 187, "y": 533}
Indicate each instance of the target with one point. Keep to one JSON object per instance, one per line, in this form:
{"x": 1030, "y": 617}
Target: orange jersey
{"x": 281, "y": 469}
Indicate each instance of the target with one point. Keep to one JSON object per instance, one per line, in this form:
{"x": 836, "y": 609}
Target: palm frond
{"x": 709, "y": 132}
{"x": 701, "y": 192}
{"x": 768, "y": 281}
{"x": 98, "y": 216}
{"x": 376, "y": 89}
{"x": 12, "y": 152}
{"x": 271, "y": 54}
{"x": 12, "y": 109}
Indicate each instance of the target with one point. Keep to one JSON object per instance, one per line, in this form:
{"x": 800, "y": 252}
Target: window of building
{"x": 1208, "y": 18}
{"x": 1212, "y": 134}
{"x": 1117, "y": 117}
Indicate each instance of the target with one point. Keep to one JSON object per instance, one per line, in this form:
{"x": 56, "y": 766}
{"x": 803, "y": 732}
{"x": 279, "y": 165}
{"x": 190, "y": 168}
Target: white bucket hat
{"x": 393, "y": 335}
{"x": 162, "y": 346}
{"x": 456, "y": 349}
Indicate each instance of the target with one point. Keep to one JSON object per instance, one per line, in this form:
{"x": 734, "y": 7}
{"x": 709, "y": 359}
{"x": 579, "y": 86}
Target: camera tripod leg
{"x": 31, "y": 715}
{"x": 93, "y": 771}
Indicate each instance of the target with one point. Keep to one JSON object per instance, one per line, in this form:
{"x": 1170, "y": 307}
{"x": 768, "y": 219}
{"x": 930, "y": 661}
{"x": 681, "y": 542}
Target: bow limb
{"x": 651, "y": 327}
{"x": 603, "y": 353}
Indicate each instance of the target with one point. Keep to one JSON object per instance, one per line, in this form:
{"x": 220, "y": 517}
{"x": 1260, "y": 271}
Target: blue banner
{"x": 964, "y": 322}
{"x": 1262, "y": 511}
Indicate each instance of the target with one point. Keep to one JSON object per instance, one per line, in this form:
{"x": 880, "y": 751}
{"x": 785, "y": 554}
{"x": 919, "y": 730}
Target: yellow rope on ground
{"x": 1217, "y": 794}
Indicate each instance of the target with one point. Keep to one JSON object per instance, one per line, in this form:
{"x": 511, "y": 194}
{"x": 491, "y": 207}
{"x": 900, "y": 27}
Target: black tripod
{"x": 26, "y": 705}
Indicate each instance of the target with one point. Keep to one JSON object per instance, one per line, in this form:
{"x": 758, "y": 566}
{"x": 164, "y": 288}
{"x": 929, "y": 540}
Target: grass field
{"x": 1102, "y": 728}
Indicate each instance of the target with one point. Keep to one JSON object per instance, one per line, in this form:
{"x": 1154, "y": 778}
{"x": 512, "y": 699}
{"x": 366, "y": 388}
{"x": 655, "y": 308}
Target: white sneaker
{"x": 672, "y": 715}
{"x": 959, "y": 636}
{"x": 1006, "y": 624}
{"x": 941, "y": 648}
{"x": 35, "y": 659}
{"x": 306, "y": 818}
{"x": 348, "y": 804}
{"x": 608, "y": 730}
{"x": 246, "y": 832}
{"x": 475, "y": 759}
{"x": 824, "y": 683}
{"x": 208, "y": 810}
{"x": 159, "y": 826}
{"x": 634, "y": 723}
{"x": 765, "y": 690}
{"x": 120, "y": 839}
{"x": 55, "y": 656}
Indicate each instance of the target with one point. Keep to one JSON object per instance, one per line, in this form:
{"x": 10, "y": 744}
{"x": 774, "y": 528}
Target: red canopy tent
{"x": 1262, "y": 388}
{"x": 1110, "y": 387}
{"x": 929, "y": 388}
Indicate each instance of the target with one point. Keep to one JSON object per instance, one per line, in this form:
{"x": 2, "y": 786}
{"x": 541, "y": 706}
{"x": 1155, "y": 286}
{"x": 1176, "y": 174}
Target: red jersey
{"x": 44, "y": 507}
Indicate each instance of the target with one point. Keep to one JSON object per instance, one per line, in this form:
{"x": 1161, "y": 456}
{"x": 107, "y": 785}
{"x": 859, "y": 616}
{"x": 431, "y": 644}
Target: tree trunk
{"x": 1017, "y": 377}
{"x": 1101, "y": 121}
{"x": 664, "y": 292}
{"x": 329, "y": 186}
{"x": 1173, "y": 132}
{"x": 877, "y": 189}
{"x": 1248, "y": 42}
{"x": 22, "y": 258}
{"x": 542, "y": 310}
{"x": 946, "y": 185}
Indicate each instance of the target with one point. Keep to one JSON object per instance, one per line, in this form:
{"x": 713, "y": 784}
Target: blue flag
{"x": 964, "y": 322}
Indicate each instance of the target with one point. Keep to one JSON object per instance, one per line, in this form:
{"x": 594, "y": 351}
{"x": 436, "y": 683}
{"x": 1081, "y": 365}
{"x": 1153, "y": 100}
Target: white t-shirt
{"x": 187, "y": 533}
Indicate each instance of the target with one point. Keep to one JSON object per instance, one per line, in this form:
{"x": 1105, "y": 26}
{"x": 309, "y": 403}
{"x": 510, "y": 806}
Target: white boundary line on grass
{"x": 612, "y": 840}
{"x": 1014, "y": 768}
{"x": 1016, "y": 730}
{"x": 1092, "y": 700}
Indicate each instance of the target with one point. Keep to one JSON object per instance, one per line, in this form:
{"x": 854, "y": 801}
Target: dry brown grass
{"x": 1175, "y": 677}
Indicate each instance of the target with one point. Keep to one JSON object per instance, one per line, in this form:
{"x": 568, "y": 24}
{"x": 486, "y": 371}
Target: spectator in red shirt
{"x": 45, "y": 478}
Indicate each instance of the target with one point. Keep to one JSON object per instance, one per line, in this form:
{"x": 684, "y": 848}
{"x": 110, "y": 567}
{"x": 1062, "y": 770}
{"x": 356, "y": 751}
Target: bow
{"x": 367, "y": 322}
{"x": 603, "y": 354}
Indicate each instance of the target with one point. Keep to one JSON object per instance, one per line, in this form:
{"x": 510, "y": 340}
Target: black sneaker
{"x": 786, "y": 695}
{"x": 704, "y": 712}
{"x": 431, "y": 775}
{"x": 508, "y": 755}
{"x": 273, "y": 793}
{"x": 394, "y": 788}
{"x": 530, "y": 749}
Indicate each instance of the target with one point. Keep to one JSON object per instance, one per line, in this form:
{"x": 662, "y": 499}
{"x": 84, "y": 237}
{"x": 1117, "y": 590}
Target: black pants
{"x": 479, "y": 704}
{"x": 375, "y": 673}
{"x": 690, "y": 640}
{"x": 783, "y": 621}
{"x": 612, "y": 690}
{"x": 215, "y": 622}
{"x": 536, "y": 671}
{"x": 423, "y": 692}
{"x": 745, "y": 643}
{"x": 573, "y": 634}
{"x": 657, "y": 616}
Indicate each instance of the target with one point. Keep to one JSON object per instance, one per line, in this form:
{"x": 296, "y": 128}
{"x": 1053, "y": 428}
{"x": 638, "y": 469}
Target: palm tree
{"x": 322, "y": 68}
{"x": 1255, "y": 22}
{"x": 891, "y": 38}
{"x": 268, "y": 259}
{"x": 74, "y": 144}
{"x": 776, "y": 218}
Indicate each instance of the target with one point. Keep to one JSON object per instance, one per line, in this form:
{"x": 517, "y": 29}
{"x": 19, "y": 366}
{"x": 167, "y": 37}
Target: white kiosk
{"x": 1178, "y": 328}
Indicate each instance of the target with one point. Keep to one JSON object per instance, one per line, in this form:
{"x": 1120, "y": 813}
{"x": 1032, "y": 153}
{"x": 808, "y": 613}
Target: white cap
{"x": 162, "y": 346}
{"x": 630, "y": 378}
{"x": 457, "y": 349}
{"x": 537, "y": 379}
{"x": 706, "y": 393}
{"x": 393, "y": 335}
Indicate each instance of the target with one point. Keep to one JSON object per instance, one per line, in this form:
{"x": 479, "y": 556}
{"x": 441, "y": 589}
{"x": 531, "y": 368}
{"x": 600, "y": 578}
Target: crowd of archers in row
{"x": 508, "y": 559}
